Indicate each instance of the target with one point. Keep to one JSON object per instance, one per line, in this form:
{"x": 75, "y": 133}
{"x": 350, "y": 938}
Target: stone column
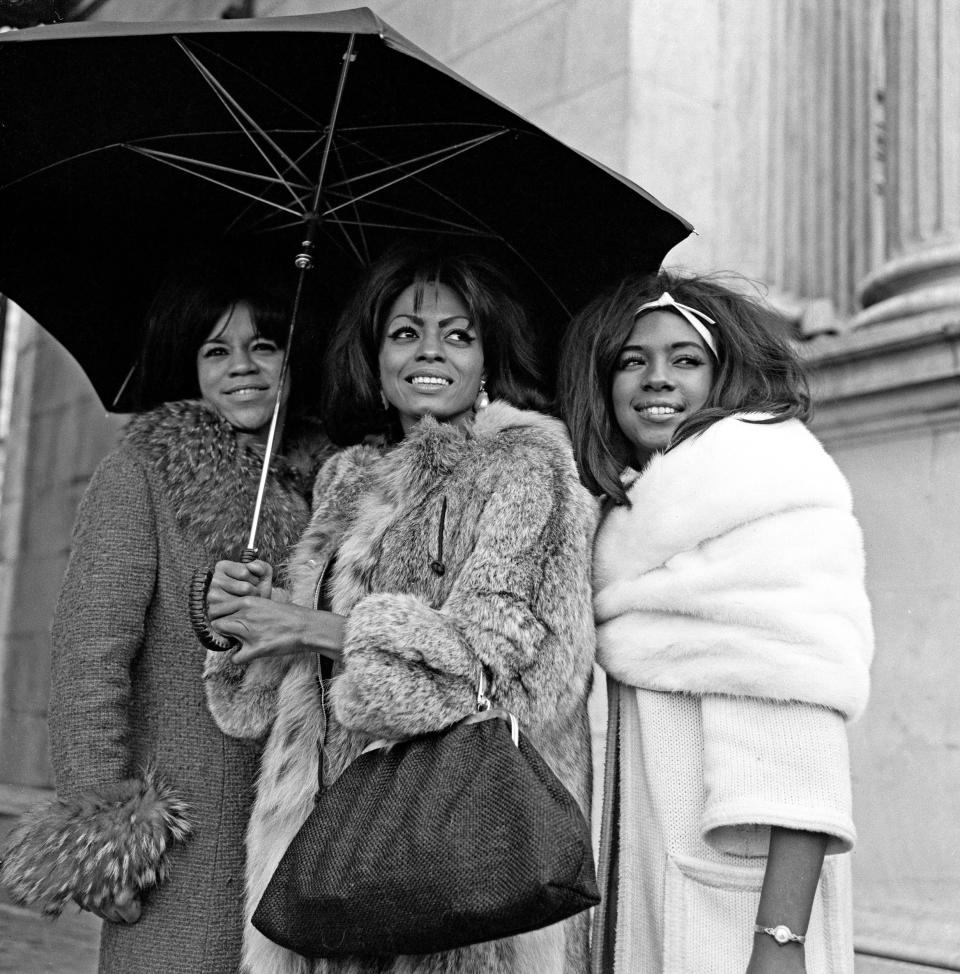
{"x": 919, "y": 166}
{"x": 888, "y": 409}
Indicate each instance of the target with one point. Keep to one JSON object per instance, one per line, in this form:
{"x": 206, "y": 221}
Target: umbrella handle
{"x": 197, "y": 609}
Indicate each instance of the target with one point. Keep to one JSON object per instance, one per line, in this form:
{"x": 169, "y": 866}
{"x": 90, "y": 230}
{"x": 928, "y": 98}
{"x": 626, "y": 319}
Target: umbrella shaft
{"x": 304, "y": 262}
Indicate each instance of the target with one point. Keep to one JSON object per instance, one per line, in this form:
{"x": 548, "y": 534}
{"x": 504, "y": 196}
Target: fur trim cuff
{"x": 92, "y": 847}
{"x": 242, "y": 698}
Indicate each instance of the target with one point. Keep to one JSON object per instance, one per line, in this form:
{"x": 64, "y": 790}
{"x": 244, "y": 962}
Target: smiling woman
{"x": 238, "y": 371}
{"x": 664, "y": 374}
{"x": 457, "y": 535}
{"x": 152, "y": 799}
{"x": 734, "y": 627}
{"x": 451, "y": 318}
{"x": 431, "y": 359}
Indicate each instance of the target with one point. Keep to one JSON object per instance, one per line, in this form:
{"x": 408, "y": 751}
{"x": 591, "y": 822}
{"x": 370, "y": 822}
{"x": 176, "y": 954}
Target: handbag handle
{"x": 478, "y": 717}
{"x": 485, "y": 711}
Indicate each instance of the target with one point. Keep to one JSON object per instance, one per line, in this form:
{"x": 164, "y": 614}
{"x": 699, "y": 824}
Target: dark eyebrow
{"x": 417, "y": 320}
{"x": 675, "y": 345}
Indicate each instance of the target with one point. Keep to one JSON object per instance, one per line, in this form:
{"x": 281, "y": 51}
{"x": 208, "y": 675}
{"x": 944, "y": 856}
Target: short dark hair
{"x": 352, "y": 408}
{"x": 757, "y": 371}
{"x": 195, "y": 293}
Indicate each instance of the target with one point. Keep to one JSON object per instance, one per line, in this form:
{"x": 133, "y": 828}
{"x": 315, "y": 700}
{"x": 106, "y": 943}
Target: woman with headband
{"x": 734, "y": 627}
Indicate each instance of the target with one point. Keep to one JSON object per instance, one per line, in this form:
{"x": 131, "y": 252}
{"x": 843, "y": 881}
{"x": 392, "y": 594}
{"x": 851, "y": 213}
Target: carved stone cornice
{"x": 917, "y": 282}
{"x": 882, "y": 380}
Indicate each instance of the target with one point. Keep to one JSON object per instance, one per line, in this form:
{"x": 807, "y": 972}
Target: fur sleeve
{"x": 94, "y": 846}
{"x": 242, "y": 698}
{"x": 520, "y": 604}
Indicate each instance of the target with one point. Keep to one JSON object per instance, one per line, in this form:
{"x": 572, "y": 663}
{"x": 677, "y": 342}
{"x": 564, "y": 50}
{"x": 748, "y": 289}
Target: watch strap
{"x": 781, "y": 933}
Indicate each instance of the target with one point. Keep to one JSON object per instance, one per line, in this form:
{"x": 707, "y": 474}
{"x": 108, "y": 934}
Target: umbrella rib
{"x": 342, "y": 227}
{"x": 359, "y": 146}
{"x": 362, "y": 258}
{"x": 438, "y": 221}
{"x": 203, "y": 163}
{"x": 303, "y": 155}
{"x": 498, "y": 236}
{"x": 411, "y": 175}
{"x": 465, "y": 232}
{"x": 493, "y": 234}
{"x": 258, "y": 81}
{"x": 360, "y": 230}
{"x": 433, "y": 125}
{"x": 453, "y": 150}
{"x": 240, "y": 116}
{"x": 217, "y": 182}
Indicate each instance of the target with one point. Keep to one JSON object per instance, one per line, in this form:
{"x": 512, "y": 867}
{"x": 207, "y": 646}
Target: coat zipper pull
{"x": 437, "y": 566}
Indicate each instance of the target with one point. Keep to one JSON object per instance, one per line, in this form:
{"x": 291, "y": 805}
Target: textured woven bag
{"x": 448, "y": 839}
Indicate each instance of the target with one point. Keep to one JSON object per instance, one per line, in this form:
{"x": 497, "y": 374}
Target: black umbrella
{"x": 122, "y": 145}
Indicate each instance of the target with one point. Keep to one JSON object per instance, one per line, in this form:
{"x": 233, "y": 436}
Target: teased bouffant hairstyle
{"x": 196, "y": 292}
{"x": 352, "y": 408}
{"x": 757, "y": 371}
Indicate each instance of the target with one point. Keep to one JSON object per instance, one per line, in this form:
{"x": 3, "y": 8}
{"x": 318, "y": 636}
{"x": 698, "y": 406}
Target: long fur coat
{"x": 754, "y": 590}
{"x": 150, "y": 792}
{"x": 454, "y": 546}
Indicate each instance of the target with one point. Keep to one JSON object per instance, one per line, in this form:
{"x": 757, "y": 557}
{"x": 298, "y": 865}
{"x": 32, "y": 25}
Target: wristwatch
{"x": 781, "y": 933}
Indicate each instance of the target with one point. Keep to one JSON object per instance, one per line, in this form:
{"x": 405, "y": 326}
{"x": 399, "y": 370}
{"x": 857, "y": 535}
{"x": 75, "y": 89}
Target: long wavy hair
{"x": 757, "y": 371}
{"x": 352, "y": 408}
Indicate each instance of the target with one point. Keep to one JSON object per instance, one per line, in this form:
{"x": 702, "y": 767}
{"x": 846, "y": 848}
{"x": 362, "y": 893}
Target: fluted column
{"x": 919, "y": 164}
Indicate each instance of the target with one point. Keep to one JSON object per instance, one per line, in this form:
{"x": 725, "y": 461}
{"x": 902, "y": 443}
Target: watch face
{"x": 781, "y": 934}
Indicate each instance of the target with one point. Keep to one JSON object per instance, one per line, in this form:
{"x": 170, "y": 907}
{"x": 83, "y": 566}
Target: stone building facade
{"x": 815, "y": 145}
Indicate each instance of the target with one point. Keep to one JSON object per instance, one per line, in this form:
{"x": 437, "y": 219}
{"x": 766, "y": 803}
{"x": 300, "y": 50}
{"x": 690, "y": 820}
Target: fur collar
{"x": 432, "y": 449}
{"x": 735, "y": 471}
{"x": 738, "y": 569}
{"x": 211, "y": 477}
{"x": 373, "y": 483}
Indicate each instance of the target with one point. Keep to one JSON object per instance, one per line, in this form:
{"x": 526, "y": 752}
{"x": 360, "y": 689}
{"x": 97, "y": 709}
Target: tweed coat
{"x": 500, "y": 507}
{"x": 127, "y": 692}
{"x": 735, "y": 628}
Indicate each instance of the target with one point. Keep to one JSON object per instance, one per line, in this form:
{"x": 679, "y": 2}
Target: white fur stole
{"x": 738, "y": 569}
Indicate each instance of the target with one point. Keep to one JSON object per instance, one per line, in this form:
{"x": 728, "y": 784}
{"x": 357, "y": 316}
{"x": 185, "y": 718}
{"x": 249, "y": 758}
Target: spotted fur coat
{"x": 453, "y": 546}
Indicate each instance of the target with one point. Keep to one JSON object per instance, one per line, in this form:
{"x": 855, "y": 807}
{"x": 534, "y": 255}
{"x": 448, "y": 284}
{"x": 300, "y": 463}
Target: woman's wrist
{"x": 320, "y": 631}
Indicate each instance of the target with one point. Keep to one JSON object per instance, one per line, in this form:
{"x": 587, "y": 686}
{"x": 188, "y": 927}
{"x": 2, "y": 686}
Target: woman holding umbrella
{"x": 147, "y": 831}
{"x": 463, "y": 539}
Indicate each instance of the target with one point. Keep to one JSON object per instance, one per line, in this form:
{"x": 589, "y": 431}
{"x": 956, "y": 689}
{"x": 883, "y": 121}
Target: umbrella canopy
{"x": 123, "y": 145}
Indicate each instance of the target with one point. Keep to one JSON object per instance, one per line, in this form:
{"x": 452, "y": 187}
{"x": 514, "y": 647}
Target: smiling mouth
{"x": 659, "y": 411}
{"x": 247, "y": 392}
{"x": 429, "y": 381}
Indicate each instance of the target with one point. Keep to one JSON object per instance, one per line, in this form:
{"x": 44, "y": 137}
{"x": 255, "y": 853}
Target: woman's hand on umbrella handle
{"x": 232, "y": 580}
{"x": 267, "y": 628}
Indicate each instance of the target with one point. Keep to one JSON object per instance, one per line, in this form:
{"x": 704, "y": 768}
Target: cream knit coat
{"x": 734, "y": 626}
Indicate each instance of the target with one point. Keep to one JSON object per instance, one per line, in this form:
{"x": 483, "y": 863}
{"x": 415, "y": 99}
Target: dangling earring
{"x": 383, "y": 400}
{"x": 482, "y": 400}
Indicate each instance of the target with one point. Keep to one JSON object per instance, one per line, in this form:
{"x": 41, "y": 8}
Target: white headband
{"x": 690, "y": 315}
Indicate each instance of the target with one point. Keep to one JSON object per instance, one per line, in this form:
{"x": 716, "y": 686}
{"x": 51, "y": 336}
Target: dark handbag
{"x": 448, "y": 839}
